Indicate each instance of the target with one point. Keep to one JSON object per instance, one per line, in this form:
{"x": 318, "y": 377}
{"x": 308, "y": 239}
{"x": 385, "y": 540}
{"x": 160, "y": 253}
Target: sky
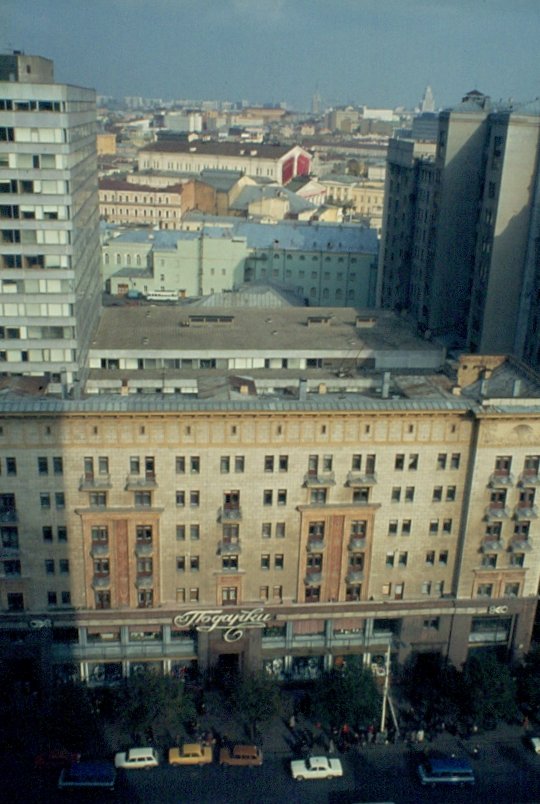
{"x": 381, "y": 53}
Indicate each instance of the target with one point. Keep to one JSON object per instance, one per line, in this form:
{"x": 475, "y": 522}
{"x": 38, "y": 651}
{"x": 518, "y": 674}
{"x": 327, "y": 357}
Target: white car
{"x": 137, "y": 758}
{"x": 316, "y": 768}
{"x": 534, "y": 743}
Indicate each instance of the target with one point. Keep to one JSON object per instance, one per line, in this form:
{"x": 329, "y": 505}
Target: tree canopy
{"x": 348, "y": 695}
{"x": 256, "y": 697}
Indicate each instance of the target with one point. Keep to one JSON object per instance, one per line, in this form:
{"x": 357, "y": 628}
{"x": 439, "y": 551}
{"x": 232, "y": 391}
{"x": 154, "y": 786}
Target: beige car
{"x": 241, "y": 755}
{"x": 190, "y": 754}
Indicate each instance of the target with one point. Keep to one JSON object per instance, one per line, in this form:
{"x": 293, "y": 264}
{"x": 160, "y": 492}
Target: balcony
{"x": 313, "y": 578}
{"x": 521, "y": 544}
{"x": 319, "y": 479}
{"x": 99, "y": 549}
{"x": 8, "y": 515}
{"x": 144, "y": 581}
{"x": 530, "y": 478}
{"x": 501, "y": 480}
{"x": 232, "y": 514}
{"x": 492, "y": 546}
{"x": 495, "y": 512}
{"x": 141, "y": 482}
{"x": 525, "y": 512}
{"x": 357, "y": 543}
{"x": 354, "y": 576}
{"x": 9, "y": 552}
{"x": 144, "y": 549}
{"x": 361, "y": 478}
{"x": 89, "y": 482}
{"x": 228, "y": 547}
{"x": 315, "y": 545}
{"x": 101, "y": 581}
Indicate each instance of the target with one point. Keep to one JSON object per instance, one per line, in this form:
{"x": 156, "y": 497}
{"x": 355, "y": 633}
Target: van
{"x": 445, "y": 770}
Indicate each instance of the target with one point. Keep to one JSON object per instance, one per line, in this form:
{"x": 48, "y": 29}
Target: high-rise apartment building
{"x": 49, "y": 244}
{"x": 459, "y": 228}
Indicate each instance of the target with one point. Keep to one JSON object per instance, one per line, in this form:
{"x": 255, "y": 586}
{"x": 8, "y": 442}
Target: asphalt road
{"x": 507, "y": 773}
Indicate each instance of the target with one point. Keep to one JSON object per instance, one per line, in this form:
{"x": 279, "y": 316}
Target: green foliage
{"x": 489, "y": 691}
{"x": 256, "y": 697}
{"x": 529, "y": 681}
{"x": 349, "y": 695}
{"x": 433, "y": 686}
{"x": 150, "y": 700}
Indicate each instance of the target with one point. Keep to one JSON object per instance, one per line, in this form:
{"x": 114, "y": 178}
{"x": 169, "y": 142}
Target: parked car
{"x": 87, "y": 775}
{"x": 240, "y": 755}
{"x": 316, "y": 768}
{"x": 137, "y": 758}
{"x": 534, "y": 743}
{"x": 191, "y": 754}
{"x": 56, "y": 759}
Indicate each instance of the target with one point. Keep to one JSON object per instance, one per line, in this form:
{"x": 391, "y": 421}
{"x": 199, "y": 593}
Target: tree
{"x": 256, "y": 697}
{"x": 433, "y": 686}
{"x": 529, "y": 681}
{"x": 147, "y": 701}
{"x": 489, "y": 690}
{"x": 348, "y": 695}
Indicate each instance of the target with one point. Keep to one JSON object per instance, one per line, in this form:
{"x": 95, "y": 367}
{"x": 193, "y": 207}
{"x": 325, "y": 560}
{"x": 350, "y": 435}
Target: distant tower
{"x": 428, "y": 101}
{"x": 316, "y": 103}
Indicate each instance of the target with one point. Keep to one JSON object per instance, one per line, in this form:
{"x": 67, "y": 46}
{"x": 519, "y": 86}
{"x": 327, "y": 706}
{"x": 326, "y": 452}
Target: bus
{"x": 445, "y": 770}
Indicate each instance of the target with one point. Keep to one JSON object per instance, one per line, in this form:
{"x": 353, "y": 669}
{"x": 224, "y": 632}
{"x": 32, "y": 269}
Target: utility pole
{"x": 385, "y": 688}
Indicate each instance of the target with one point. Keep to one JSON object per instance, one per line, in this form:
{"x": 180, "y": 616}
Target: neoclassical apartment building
{"x": 233, "y": 526}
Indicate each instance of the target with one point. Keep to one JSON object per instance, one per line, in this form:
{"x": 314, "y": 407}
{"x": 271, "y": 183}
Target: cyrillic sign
{"x": 233, "y": 624}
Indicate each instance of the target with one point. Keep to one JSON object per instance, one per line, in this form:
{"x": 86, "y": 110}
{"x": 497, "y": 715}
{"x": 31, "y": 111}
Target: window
{"x": 511, "y": 589}
{"x": 103, "y": 600}
{"x": 194, "y": 563}
{"x": 224, "y": 465}
{"x": 318, "y": 496}
{"x": 431, "y": 624}
{"x": 390, "y": 559}
{"x": 43, "y": 466}
{"x": 313, "y": 594}
{"x": 194, "y": 465}
{"x": 279, "y": 561}
{"x": 98, "y": 499}
{"x": 393, "y": 527}
{"x": 63, "y": 566}
{"x": 134, "y": 465}
{"x": 282, "y": 497}
{"x": 268, "y": 463}
{"x": 180, "y": 465}
{"x": 66, "y": 598}
{"x": 194, "y": 499}
{"x": 402, "y": 559}
{"x": 434, "y": 526}
{"x": 484, "y": 590}
{"x": 280, "y": 530}
{"x": 455, "y": 460}
{"x": 60, "y": 500}
{"x": 264, "y": 592}
{"x": 58, "y": 466}
{"x": 143, "y": 499}
{"x": 327, "y": 463}
{"x": 358, "y": 528}
{"x": 399, "y": 590}
{"x": 49, "y": 566}
{"x": 47, "y": 533}
{"x": 443, "y": 557}
{"x": 52, "y": 598}
{"x": 45, "y": 501}
{"x": 101, "y": 567}
{"x": 503, "y": 464}
{"x": 143, "y": 534}
{"x": 11, "y": 466}
{"x": 229, "y": 596}
{"x": 180, "y": 563}
{"x": 450, "y": 493}
{"x": 441, "y": 460}
{"x": 430, "y": 557}
{"x": 229, "y": 562}
{"x": 406, "y": 527}
{"x": 181, "y": 533}
{"x": 15, "y": 601}
{"x": 409, "y": 494}
{"x": 239, "y": 464}
{"x": 399, "y": 462}
{"x": 356, "y": 463}
{"x": 267, "y": 497}
{"x": 517, "y": 559}
{"x": 283, "y": 463}
{"x": 413, "y": 462}
{"x": 386, "y": 590}
{"x": 180, "y": 499}
{"x": 103, "y": 465}
{"x": 180, "y": 595}
{"x": 426, "y": 588}
{"x": 396, "y": 494}
{"x": 194, "y": 533}
{"x": 361, "y": 495}
{"x": 437, "y": 494}
{"x": 265, "y": 561}
{"x": 489, "y": 560}
{"x": 447, "y": 526}
{"x": 194, "y": 595}
{"x": 100, "y": 535}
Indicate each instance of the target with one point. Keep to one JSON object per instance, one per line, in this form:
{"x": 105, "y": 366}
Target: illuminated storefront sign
{"x": 233, "y": 624}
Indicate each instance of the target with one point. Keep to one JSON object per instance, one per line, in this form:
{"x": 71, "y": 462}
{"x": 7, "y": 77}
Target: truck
{"x": 87, "y": 775}
{"x": 316, "y": 768}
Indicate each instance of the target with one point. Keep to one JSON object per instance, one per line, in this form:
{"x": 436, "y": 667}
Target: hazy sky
{"x": 374, "y": 52}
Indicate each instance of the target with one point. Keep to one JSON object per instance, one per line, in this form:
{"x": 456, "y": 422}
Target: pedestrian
{"x": 331, "y": 746}
{"x": 292, "y": 722}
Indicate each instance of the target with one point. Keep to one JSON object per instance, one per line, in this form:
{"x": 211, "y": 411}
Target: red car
{"x": 56, "y": 759}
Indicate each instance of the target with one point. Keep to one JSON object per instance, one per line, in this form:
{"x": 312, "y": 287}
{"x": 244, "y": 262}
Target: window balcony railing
{"x": 101, "y": 581}
{"x": 315, "y": 545}
{"x": 529, "y": 478}
{"x": 89, "y": 482}
{"x": 501, "y": 479}
{"x": 99, "y": 549}
{"x": 233, "y": 514}
{"x": 525, "y": 511}
{"x": 361, "y": 478}
{"x": 492, "y": 545}
{"x": 138, "y": 482}
{"x": 357, "y": 543}
{"x": 228, "y": 547}
{"x": 144, "y": 548}
{"x": 319, "y": 479}
{"x": 495, "y": 511}
{"x": 521, "y": 544}
{"x": 354, "y": 575}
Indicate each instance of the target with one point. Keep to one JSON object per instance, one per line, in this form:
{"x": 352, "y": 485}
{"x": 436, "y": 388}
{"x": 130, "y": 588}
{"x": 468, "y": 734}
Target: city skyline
{"x": 349, "y": 51}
